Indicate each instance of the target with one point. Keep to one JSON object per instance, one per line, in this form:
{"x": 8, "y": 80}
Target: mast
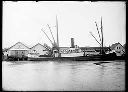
{"x": 57, "y": 32}
{"x": 102, "y": 36}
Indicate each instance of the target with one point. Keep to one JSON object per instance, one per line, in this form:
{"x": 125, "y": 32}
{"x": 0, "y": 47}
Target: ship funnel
{"x": 72, "y": 43}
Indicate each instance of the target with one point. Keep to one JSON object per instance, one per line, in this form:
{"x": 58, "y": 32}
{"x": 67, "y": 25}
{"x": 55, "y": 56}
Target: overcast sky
{"x": 23, "y": 21}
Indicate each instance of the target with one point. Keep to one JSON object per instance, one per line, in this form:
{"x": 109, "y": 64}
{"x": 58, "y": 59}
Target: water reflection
{"x": 74, "y": 76}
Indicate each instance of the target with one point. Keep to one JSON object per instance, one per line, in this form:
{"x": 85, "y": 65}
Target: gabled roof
{"x": 39, "y": 44}
{"x": 18, "y": 49}
{"x": 36, "y": 45}
{"x": 114, "y": 45}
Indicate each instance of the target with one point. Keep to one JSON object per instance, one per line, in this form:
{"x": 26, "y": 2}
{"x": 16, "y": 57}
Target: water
{"x": 63, "y": 76}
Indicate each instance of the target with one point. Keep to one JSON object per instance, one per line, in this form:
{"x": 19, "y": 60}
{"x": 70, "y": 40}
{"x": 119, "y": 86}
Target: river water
{"x": 63, "y": 76}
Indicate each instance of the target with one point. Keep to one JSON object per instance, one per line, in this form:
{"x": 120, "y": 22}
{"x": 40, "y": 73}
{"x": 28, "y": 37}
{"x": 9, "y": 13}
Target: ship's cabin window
{"x": 55, "y": 51}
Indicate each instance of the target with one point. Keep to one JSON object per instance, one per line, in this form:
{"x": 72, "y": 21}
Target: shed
{"x": 18, "y": 50}
{"x": 39, "y": 50}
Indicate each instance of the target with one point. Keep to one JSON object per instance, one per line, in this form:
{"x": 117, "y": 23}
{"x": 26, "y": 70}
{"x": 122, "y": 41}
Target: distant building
{"x": 118, "y": 49}
{"x": 17, "y": 50}
{"x": 38, "y": 50}
{"x": 4, "y": 53}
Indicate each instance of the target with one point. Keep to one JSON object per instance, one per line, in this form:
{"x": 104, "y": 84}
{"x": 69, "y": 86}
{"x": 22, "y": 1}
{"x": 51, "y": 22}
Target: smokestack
{"x": 72, "y": 43}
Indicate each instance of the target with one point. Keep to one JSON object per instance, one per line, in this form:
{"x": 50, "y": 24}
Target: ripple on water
{"x": 73, "y": 76}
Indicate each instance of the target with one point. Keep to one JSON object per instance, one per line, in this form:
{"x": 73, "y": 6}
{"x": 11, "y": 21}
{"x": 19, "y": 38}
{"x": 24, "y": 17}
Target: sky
{"x": 23, "y": 20}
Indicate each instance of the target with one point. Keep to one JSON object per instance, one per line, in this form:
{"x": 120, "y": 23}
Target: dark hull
{"x": 12, "y": 58}
{"x": 83, "y": 58}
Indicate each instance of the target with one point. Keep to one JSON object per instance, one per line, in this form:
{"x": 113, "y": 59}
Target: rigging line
{"x": 47, "y": 37}
{"x": 95, "y": 38}
{"x": 51, "y": 33}
{"x": 98, "y": 31}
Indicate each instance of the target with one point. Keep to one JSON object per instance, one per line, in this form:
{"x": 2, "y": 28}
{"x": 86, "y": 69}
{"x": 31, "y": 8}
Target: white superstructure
{"x": 71, "y": 52}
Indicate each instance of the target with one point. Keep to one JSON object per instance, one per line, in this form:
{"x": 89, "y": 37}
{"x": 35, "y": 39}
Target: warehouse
{"x": 38, "y": 50}
{"x": 18, "y": 51}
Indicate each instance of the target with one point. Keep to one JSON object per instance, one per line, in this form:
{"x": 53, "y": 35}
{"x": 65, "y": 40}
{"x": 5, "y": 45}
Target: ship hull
{"x": 82, "y": 58}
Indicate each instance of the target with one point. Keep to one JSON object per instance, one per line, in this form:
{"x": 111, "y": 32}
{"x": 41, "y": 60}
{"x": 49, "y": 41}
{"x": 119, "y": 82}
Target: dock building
{"x": 19, "y": 50}
{"x": 118, "y": 49}
{"x": 38, "y": 50}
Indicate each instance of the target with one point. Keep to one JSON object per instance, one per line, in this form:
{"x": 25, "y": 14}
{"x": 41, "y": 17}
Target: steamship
{"x": 73, "y": 53}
